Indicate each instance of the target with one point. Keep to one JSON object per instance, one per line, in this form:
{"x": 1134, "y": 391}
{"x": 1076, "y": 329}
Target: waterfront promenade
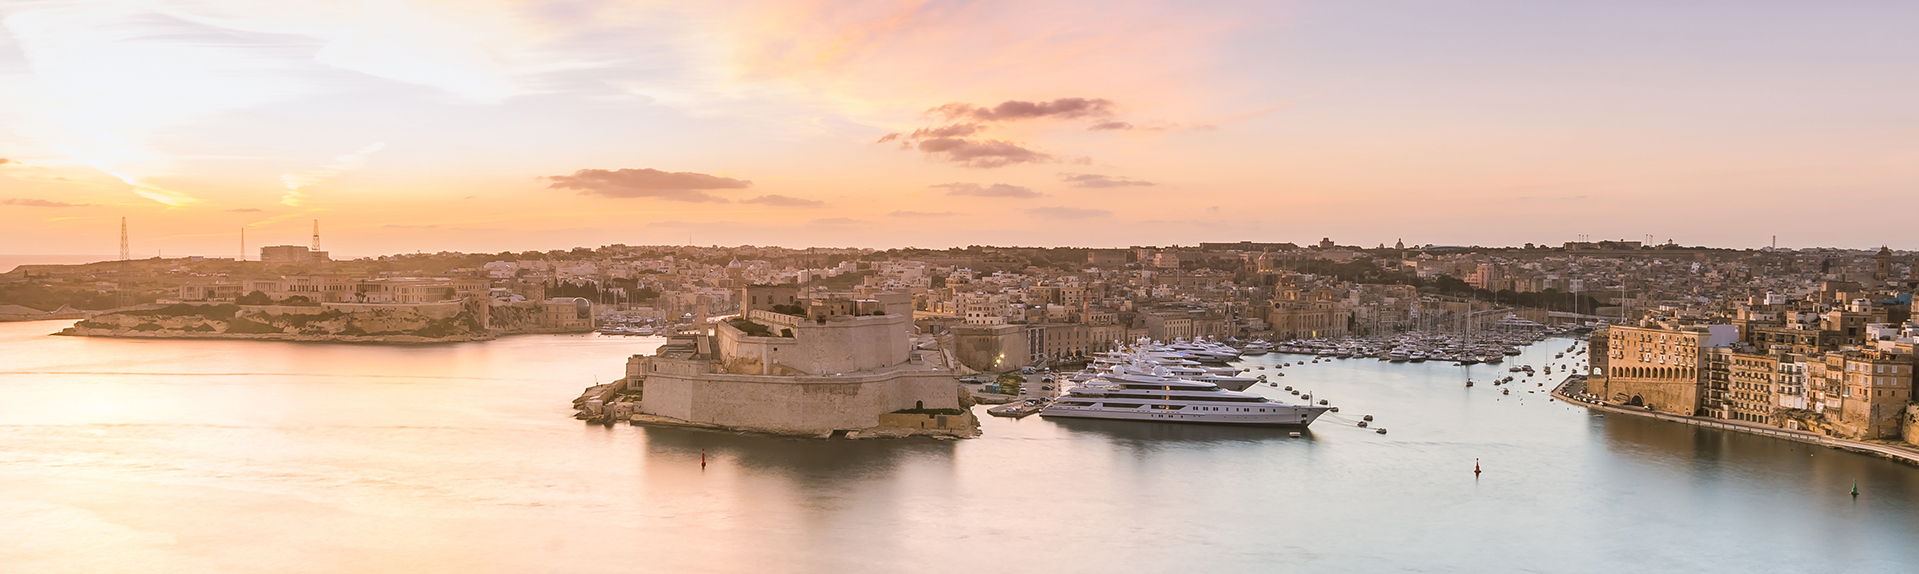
{"x": 1572, "y": 390}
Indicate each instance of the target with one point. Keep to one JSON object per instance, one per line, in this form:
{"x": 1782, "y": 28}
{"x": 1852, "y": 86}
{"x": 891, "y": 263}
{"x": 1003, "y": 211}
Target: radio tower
{"x": 316, "y": 235}
{"x": 122, "y": 297}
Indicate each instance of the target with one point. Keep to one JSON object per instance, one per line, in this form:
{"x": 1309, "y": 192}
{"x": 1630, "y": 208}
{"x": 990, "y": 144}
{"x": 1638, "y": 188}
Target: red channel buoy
{"x": 703, "y": 460}
{"x": 1475, "y": 467}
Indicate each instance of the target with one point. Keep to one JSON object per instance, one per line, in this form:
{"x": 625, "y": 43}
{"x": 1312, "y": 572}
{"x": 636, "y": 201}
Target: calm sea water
{"x": 207, "y": 456}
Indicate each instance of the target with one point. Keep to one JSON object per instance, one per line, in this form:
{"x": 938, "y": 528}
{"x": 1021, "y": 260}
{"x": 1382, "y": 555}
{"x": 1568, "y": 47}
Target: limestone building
{"x": 1663, "y": 369}
{"x": 991, "y": 348}
{"x": 291, "y": 255}
{"x": 1308, "y": 319}
{"x": 1863, "y": 394}
{"x": 1750, "y": 392}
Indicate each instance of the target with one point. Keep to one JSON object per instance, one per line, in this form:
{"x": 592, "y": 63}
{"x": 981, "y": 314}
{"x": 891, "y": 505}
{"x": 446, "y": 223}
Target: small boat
{"x": 1019, "y": 409}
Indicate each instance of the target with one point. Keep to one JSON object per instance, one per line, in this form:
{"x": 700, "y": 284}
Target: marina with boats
{"x": 1490, "y": 346}
{"x": 1209, "y": 382}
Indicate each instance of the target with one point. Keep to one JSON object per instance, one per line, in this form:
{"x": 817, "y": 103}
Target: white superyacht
{"x": 1149, "y": 373}
{"x": 1180, "y": 401}
{"x": 1145, "y": 367}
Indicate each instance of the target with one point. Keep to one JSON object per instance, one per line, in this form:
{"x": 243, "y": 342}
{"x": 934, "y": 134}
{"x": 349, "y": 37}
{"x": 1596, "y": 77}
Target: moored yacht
{"x": 1148, "y": 374}
{"x": 1180, "y": 401}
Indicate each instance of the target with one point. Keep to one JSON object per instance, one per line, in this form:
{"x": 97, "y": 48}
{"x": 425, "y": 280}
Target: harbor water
{"x": 121, "y": 455}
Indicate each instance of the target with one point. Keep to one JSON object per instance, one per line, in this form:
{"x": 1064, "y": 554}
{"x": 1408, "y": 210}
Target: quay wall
{"x": 1905, "y": 455}
{"x": 1909, "y": 426}
{"x": 919, "y": 421}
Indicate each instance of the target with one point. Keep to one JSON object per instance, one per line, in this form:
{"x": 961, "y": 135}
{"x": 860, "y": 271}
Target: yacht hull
{"x": 1287, "y": 416}
{"x": 1235, "y": 385}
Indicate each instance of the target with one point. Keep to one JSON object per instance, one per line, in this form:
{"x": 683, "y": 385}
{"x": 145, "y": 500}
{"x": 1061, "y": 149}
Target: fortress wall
{"x": 841, "y": 345}
{"x": 795, "y": 404}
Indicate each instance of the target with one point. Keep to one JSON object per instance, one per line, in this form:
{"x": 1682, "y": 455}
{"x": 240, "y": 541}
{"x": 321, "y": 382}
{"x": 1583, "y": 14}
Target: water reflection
{"x": 1163, "y": 433}
{"x": 122, "y": 455}
{"x": 805, "y": 460}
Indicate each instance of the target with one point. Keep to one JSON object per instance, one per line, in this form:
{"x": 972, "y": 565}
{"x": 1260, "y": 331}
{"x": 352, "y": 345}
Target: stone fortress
{"x": 821, "y": 367}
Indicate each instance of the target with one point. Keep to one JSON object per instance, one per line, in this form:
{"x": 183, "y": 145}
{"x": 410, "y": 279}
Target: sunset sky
{"x": 475, "y": 125}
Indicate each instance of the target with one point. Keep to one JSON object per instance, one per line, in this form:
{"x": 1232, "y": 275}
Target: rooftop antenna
{"x": 316, "y": 235}
{"x": 123, "y": 239}
{"x": 243, "y": 244}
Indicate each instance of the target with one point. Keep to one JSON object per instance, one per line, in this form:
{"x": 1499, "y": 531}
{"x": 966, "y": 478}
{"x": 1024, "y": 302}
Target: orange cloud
{"x": 647, "y": 182}
{"x": 995, "y": 190}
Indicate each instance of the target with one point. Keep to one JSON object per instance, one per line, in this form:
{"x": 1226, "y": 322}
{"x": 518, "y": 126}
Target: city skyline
{"x": 420, "y": 126}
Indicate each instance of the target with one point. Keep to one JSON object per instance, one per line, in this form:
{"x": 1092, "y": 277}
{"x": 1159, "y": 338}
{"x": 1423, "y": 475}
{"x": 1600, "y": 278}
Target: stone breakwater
{"x": 332, "y": 324}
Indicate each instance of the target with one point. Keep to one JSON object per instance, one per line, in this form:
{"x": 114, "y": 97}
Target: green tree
{"x": 1010, "y": 383}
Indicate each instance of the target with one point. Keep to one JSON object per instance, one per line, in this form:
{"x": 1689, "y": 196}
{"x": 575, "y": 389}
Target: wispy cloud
{"x": 995, "y": 190}
{"x": 340, "y": 165}
{"x": 1067, "y": 213}
{"x": 647, "y": 182}
{"x": 952, "y": 131}
{"x": 108, "y": 77}
{"x": 162, "y": 195}
{"x": 1095, "y": 180}
{"x": 674, "y": 224}
{"x": 957, "y": 142}
{"x": 245, "y": 210}
{"x": 116, "y": 85}
{"x": 784, "y": 201}
{"x": 1012, "y": 110}
{"x": 981, "y": 153}
{"x": 5, "y": 161}
{"x": 922, "y": 214}
{"x": 837, "y": 221}
{"x": 23, "y": 202}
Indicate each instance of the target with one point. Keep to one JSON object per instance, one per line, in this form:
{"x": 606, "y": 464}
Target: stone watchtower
{"x": 1912, "y": 272}
{"x": 1882, "y": 268}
